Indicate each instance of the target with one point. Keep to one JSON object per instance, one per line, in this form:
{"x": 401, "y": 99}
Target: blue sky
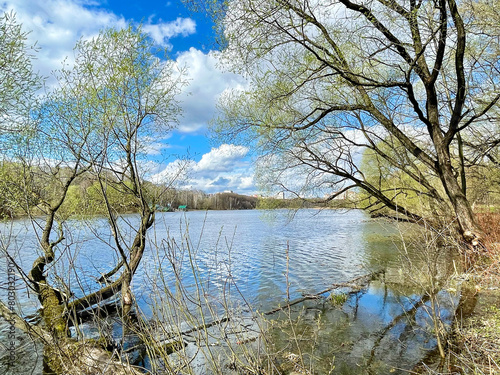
{"x": 56, "y": 25}
{"x": 163, "y": 11}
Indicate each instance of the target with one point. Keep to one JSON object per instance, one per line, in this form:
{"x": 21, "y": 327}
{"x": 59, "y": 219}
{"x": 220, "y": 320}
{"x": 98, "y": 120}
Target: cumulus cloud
{"x": 246, "y": 183}
{"x": 239, "y": 181}
{"x": 161, "y": 33}
{"x": 207, "y": 81}
{"x": 154, "y": 146}
{"x": 175, "y": 173}
{"x": 221, "y": 181}
{"x": 224, "y": 168}
{"x": 221, "y": 159}
{"x": 56, "y": 25}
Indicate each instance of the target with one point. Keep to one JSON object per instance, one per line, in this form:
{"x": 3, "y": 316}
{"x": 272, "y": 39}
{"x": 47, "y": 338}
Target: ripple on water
{"x": 248, "y": 248}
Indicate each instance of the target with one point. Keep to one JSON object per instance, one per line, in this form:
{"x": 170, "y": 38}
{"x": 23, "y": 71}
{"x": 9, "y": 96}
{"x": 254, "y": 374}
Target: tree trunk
{"x": 53, "y": 311}
{"x": 468, "y": 226}
{"x": 68, "y": 356}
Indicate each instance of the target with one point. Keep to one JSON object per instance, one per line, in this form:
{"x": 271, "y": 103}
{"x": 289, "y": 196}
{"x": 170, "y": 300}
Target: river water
{"x": 255, "y": 260}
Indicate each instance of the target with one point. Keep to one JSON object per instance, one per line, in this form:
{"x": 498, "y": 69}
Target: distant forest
{"x": 85, "y": 197}
{"x": 199, "y": 200}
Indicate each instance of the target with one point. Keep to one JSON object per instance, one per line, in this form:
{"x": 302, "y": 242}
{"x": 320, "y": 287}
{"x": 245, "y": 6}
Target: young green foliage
{"x": 328, "y": 80}
{"x": 18, "y": 82}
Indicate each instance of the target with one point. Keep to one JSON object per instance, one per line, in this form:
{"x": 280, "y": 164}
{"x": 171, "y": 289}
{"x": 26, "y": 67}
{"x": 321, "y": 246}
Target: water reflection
{"x": 325, "y": 247}
{"x": 248, "y": 249}
{"x": 376, "y": 331}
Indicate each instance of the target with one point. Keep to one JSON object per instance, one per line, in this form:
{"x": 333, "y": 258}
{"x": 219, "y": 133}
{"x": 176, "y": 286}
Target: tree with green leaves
{"x": 96, "y": 126}
{"x": 108, "y": 106}
{"x": 18, "y": 87}
{"x": 18, "y": 82}
{"x": 330, "y": 79}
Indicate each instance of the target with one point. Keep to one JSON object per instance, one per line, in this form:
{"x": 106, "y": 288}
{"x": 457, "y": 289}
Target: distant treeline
{"x": 199, "y": 200}
{"x": 86, "y": 196}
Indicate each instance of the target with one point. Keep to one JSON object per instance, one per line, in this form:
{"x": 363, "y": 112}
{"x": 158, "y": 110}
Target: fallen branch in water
{"x": 351, "y": 284}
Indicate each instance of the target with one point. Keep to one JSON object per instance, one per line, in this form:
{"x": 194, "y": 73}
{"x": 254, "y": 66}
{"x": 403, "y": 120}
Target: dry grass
{"x": 475, "y": 347}
{"x": 488, "y": 274}
{"x": 490, "y": 222}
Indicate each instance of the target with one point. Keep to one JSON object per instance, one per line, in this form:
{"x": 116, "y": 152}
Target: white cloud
{"x": 56, "y": 26}
{"x": 223, "y": 158}
{"x": 207, "y": 81}
{"x": 223, "y": 168}
{"x": 154, "y": 146}
{"x": 246, "y": 183}
{"x": 161, "y": 33}
{"x": 174, "y": 172}
{"x": 239, "y": 182}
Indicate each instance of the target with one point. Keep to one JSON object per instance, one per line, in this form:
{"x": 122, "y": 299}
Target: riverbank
{"x": 474, "y": 343}
{"x": 475, "y": 348}
{"x": 477, "y": 337}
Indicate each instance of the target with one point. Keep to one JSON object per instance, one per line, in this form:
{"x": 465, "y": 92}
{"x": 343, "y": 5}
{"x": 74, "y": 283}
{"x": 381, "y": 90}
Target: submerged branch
{"x": 96, "y": 297}
{"x": 354, "y": 283}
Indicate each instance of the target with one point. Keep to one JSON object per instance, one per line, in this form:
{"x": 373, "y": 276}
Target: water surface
{"x": 247, "y": 257}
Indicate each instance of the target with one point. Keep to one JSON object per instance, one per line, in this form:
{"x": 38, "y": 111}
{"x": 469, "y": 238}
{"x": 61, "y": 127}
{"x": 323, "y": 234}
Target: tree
{"x": 18, "y": 86}
{"x": 328, "y": 80}
{"x": 95, "y": 125}
{"x": 116, "y": 97}
{"x": 19, "y": 83}
{"x": 402, "y": 190}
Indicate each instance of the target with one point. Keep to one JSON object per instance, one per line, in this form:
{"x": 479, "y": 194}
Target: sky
{"x": 56, "y": 25}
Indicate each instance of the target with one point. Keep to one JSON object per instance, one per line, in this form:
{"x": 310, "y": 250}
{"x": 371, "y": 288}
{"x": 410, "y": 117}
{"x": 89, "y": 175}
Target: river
{"x": 256, "y": 260}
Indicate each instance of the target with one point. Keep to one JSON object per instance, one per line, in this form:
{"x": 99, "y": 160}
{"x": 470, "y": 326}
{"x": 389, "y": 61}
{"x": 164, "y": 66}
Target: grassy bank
{"x": 474, "y": 344}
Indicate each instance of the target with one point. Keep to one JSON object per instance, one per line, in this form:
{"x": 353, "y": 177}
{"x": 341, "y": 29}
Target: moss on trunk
{"x": 53, "y": 311}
